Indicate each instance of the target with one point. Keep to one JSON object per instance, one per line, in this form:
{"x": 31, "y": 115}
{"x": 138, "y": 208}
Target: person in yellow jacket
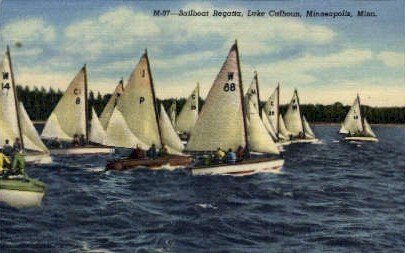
{"x": 4, "y": 162}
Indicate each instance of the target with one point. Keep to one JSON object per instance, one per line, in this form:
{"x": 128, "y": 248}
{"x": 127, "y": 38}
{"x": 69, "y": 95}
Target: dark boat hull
{"x": 166, "y": 161}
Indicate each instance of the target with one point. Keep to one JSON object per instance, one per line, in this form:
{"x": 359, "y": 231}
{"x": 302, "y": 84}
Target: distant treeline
{"x": 40, "y": 102}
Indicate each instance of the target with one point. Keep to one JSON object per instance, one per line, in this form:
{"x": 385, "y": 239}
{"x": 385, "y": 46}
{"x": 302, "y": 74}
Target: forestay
{"x": 189, "y": 113}
{"x": 293, "y": 120}
{"x": 69, "y": 116}
{"x": 221, "y": 122}
{"x": 97, "y": 133}
{"x": 112, "y": 102}
{"x": 137, "y": 104}
{"x": 118, "y": 133}
{"x": 352, "y": 123}
{"x": 169, "y": 136}
{"x": 258, "y": 137}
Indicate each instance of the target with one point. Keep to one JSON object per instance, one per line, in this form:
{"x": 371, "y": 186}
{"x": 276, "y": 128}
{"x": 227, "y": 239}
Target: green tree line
{"x": 40, "y": 102}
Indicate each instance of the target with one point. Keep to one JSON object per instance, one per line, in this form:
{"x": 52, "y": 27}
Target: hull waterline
{"x": 361, "y": 139}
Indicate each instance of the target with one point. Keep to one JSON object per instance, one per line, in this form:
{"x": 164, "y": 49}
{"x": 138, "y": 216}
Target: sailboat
{"x": 111, "y": 104}
{"x": 355, "y": 127}
{"x": 188, "y": 115}
{"x": 138, "y": 116}
{"x": 21, "y": 192}
{"x": 223, "y": 123}
{"x": 14, "y": 120}
{"x": 274, "y": 120}
{"x": 70, "y": 117}
{"x": 297, "y": 124}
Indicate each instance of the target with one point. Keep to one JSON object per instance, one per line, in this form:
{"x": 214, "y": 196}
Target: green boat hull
{"x": 17, "y": 184}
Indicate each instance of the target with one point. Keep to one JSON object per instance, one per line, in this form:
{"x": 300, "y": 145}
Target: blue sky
{"x": 327, "y": 59}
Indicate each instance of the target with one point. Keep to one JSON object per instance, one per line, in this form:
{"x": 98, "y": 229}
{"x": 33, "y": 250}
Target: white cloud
{"x": 26, "y": 31}
{"x": 27, "y": 51}
{"x": 392, "y": 59}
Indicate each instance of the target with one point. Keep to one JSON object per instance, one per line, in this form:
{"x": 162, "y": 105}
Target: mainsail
{"x": 9, "y": 127}
{"x": 112, "y": 102}
{"x": 96, "y": 133}
{"x": 252, "y": 95}
{"x": 69, "y": 116}
{"x": 189, "y": 113}
{"x": 258, "y": 137}
{"x": 353, "y": 121}
{"x": 169, "y": 136}
{"x": 221, "y": 122}
{"x": 137, "y": 104}
{"x": 293, "y": 120}
{"x": 118, "y": 133}
{"x": 172, "y": 112}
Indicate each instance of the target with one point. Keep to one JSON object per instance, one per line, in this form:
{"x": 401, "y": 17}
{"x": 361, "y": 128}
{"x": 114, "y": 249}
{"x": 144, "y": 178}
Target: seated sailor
{"x": 137, "y": 153}
{"x": 219, "y": 154}
{"x": 76, "y": 140}
{"x": 230, "y": 156}
{"x": 151, "y": 153}
{"x": 4, "y": 163}
{"x": 163, "y": 150}
{"x": 17, "y": 146}
{"x": 7, "y": 148}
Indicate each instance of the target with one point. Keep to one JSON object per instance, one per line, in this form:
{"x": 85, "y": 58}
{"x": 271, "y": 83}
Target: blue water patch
{"x": 331, "y": 197}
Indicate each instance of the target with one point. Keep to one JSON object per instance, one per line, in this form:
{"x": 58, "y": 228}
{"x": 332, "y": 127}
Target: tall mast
{"x": 17, "y": 108}
{"x": 86, "y": 103}
{"x": 198, "y": 97}
{"x": 278, "y": 110}
{"x": 235, "y": 46}
{"x": 153, "y": 96}
{"x": 298, "y": 102}
{"x": 258, "y": 94}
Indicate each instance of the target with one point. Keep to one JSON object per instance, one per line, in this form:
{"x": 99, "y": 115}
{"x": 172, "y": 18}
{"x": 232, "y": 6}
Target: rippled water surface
{"x": 333, "y": 197}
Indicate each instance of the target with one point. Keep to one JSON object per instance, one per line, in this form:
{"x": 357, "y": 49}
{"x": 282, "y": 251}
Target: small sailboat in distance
{"x": 70, "y": 120}
{"x": 188, "y": 115}
{"x": 14, "y": 120}
{"x": 297, "y": 124}
{"x": 355, "y": 127}
{"x": 222, "y": 123}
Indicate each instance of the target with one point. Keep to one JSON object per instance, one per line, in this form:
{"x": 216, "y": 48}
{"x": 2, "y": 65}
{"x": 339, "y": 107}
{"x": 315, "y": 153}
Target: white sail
{"x": 293, "y": 120}
{"x": 112, "y": 102}
{"x": 137, "y": 104}
{"x": 271, "y": 109}
{"x": 269, "y": 127}
{"x": 309, "y": 134}
{"x": 8, "y": 113}
{"x": 31, "y": 138}
{"x": 221, "y": 122}
{"x": 258, "y": 137}
{"x": 96, "y": 133}
{"x": 352, "y": 123}
{"x": 172, "y": 112}
{"x": 69, "y": 115}
{"x": 252, "y": 94}
{"x": 169, "y": 136}
{"x": 283, "y": 134}
{"x": 367, "y": 129}
{"x": 118, "y": 133}
{"x": 189, "y": 113}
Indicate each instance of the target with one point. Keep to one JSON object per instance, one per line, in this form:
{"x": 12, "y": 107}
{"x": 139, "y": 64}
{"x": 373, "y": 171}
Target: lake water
{"x": 330, "y": 197}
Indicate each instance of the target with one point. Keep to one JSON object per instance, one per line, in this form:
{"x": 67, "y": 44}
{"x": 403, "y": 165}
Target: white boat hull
{"x": 21, "y": 199}
{"x": 305, "y": 141}
{"x": 273, "y": 166}
{"x": 83, "y": 151}
{"x": 359, "y": 138}
{"x": 38, "y": 158}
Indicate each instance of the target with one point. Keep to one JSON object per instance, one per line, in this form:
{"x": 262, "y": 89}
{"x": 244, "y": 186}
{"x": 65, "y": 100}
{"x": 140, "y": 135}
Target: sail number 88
{"x": 229, "y": 87}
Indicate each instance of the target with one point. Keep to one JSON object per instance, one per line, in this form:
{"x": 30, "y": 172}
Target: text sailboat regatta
{"x": 355, "y": 127}
{"x": 222, "y": 123}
